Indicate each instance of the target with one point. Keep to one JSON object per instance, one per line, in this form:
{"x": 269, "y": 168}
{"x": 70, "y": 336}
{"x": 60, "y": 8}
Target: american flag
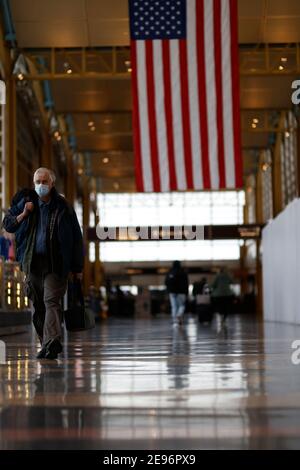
{"x": 186, "y": 105}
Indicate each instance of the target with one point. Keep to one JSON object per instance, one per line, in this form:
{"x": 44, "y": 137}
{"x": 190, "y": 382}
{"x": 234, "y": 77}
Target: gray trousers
{"x": 46, "y": 292}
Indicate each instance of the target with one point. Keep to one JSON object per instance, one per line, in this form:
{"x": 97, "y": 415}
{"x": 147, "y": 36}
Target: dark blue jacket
{"x": 64, "y": 237}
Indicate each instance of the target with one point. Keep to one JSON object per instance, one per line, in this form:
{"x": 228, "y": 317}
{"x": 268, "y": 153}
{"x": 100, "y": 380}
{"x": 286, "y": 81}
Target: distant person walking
{"x": 49, "y": 248}
{"x": 199, "y": 286}
{"x": 222, "y": 294}
{"x": 177, "y": 285}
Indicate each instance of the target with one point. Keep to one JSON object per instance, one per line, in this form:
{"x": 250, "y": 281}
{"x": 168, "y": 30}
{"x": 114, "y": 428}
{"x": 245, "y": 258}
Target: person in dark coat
{"x": 177, "y": 285}
{"x": 49, "y": 247}
{"x": 222, "y": 294}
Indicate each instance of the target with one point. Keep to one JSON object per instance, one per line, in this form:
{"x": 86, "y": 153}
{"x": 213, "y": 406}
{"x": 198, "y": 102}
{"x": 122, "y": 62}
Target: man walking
{"x": 177, "y": 285}
{"x": 49, "y": 248}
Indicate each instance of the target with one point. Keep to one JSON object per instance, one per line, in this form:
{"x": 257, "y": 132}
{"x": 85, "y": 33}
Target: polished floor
{"x": 140, "y": 384}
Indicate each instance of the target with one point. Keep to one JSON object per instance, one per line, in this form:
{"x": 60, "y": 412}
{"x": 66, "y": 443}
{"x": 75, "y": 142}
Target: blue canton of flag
{"x": 157, "y": 19}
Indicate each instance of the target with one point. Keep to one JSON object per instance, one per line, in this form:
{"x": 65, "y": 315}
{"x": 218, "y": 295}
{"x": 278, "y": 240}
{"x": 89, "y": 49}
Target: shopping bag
{"x": 76, "y": 316}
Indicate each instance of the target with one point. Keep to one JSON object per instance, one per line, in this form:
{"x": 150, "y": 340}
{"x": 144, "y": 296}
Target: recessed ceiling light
{"x": 265, "y": 167}
{"x": 68, "y": 68}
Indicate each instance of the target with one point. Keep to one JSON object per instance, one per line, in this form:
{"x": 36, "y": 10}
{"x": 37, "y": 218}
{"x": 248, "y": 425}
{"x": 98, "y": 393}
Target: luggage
{"x": 204, "y": 308}
{"x": 204, "y": 312}
{"x": 77, "y": 317}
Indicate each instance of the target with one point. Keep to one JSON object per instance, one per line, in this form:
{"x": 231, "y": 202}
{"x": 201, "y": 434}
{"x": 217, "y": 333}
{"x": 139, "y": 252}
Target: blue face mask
{"x": 42, "y": 190}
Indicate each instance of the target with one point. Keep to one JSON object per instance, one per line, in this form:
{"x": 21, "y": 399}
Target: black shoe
{"x": 53, "y": 349}
{"x": 42, "y": 353}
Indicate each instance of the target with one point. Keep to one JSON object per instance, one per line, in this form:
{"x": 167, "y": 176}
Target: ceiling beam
{"x": 114, "y": 63}
{"x": 129, "y": 111}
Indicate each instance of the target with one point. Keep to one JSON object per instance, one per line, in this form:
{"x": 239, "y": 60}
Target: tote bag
{"x": 77, "y": 317}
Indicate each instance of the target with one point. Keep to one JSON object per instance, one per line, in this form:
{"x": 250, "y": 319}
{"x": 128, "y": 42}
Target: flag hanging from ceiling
{"x": 186, "y": 104}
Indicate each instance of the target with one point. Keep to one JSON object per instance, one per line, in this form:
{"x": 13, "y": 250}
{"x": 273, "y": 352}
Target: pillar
{"x": 47, "y": 150}
{"x": 11, "y": 119}
{"x": 70, "y": 179}
{"x": 276, "y": 173}
{"x": 259, "y": 285}
{"x": 259, "y": 220}
{"x": 298, "y": 156}
{"x": 259, "y": 197}
{"x": 99, "y": 271}
{"x": 243, "y": 269}
{"x": 86, "y": 221}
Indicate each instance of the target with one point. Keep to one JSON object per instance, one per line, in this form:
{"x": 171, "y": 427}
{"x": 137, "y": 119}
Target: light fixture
{"x": 57, "y": 136}
{"x": 265, "y": 166}
{"x": 91, "y": 123}
{"x": 93, "y": 128}
{"x": 256, "y": 121}
{"x": 254, "y": 126}
{"x": 132, "y": 271}
{"x": 116, "y": 186}
{"x": 20, "y": 69}
{"x": 68, "y": 68}
{"x": 287, "y": 134}
{"x": 80, "y": 171}
{"x": 281, "y": 67}
{"x": 162, "y": 270}
{"x": 128, "y": 65}
{"x": 105, "y": 160}
{"x": 107, "y": 121}
{"x": 284, "y": 59}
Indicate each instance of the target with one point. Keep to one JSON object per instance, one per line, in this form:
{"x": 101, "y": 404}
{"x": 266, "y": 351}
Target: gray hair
{"x": 46, "y": 170}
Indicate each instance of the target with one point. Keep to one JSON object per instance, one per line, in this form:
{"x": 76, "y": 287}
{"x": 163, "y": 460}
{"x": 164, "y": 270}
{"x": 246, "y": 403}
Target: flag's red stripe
{"x": 185, "y": 112}
{"x": 169, "y": 112}
{"x": 202, "y": 92}
{"x": 136, "y": 121}
{"x": 152, "y": 116}
{"x": 219, "y": 91}
{"x": 235, "y": 74}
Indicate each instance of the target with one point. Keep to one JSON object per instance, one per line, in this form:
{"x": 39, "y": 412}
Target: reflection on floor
{"x": 133, "y": 384}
